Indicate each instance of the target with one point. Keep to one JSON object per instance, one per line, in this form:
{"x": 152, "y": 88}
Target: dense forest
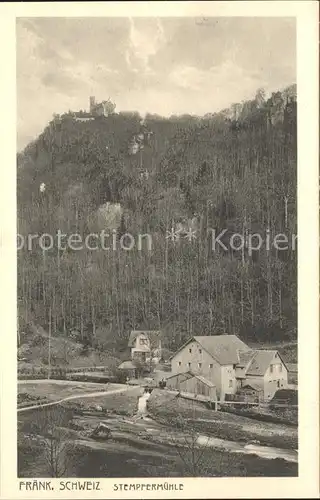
{"x": 232, "y": 171}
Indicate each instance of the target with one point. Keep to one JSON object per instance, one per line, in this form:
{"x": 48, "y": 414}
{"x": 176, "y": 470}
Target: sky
{"x": 158, "y": 65}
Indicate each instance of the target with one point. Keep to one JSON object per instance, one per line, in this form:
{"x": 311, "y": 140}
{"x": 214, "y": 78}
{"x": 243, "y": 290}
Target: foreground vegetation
{"x": 165, "y": 407}
{"x": 60, "y": 440}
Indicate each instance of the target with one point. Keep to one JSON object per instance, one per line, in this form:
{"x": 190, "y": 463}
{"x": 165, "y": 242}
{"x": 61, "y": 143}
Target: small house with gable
{"x": 145, "y": 345}
{"x": 267, "y": 370}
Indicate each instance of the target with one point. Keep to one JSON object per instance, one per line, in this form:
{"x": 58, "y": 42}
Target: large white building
{"x": 230, "y": 364}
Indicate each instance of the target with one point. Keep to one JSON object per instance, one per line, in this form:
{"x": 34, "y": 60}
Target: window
{"x": 211, "y": 365}
{"x": 271, "y": 368}
{"x": 230, "y": 383}
{"x": 143, "y": 341}
{"x": 200, "y": 351}
{"x": 199, "y": 364}
{"x": 190, "y": 350}
{"x": 189, "y": 365}
{"x": 234, "y": 367}
{"x": 179, "y": 364}
{"x": 280, "y": 368}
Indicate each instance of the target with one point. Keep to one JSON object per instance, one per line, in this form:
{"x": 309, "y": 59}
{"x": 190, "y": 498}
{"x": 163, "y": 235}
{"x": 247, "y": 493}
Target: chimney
{"x": 92, "y": 103}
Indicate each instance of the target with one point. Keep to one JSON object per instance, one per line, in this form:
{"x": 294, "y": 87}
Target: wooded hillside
{"x": 233, "y": 171}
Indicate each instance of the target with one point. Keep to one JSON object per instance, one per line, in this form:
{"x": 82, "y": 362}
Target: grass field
{"x": 124, "y": 403}
{"x": 53, "y": 391}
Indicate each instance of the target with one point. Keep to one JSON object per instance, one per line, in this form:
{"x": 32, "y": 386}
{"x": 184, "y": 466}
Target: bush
{"x": 120, "y": 377}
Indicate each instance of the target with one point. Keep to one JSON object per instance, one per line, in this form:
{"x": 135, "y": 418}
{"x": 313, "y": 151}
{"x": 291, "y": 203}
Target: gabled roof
{"x": 83, "y": 114}
{"x": 261, "y": 361}
{"x": 152, "y": 335}
{"x": 185, "y": 375}
{"x": 253, "y": 386}
{"x": 205, "y": 381}
{"x": 245, "y": 357}
{"x": 223, "y": 348}
{"x": 190, "y": 374}
{"x": 127, "y": 365}
{"x": 133, "y": 335}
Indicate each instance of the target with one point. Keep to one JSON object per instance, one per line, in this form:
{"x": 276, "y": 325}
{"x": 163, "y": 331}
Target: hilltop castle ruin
{"x": 104, "y": 108}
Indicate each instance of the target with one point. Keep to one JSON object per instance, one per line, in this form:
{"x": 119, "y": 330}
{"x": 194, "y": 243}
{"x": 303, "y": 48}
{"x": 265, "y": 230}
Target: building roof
{"x": 261, "y": 361}
{"x": 190, "y": 374}
{"x": 223, "y": 348}
{"x": 152, "y": 335}
{"x": 205, "y": 381}
{"x": 83, "y": 114}
{"x": 127, "y": 365}
{"x": 245, "y": 357}
{"x": 186, "y": 375}
{"x": 132, "y": 338}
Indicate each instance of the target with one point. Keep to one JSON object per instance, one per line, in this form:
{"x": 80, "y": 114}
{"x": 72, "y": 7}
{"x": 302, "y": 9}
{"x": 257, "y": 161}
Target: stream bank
{"x": 161, "y": 434}
{"x": 165, "y": 408}
{"x": 140, "y": 445}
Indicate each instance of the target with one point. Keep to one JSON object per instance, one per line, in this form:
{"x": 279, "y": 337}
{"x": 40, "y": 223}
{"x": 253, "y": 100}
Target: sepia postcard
{"x": 159, "y": 250}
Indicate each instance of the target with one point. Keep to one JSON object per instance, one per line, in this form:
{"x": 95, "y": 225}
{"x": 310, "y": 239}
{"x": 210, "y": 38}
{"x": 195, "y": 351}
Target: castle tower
{"x": 92, "y": 103}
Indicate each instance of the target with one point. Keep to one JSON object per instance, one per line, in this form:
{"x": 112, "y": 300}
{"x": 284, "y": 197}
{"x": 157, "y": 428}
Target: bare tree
{"x": 196, "y": 454}
{"x": 57, "y": 448}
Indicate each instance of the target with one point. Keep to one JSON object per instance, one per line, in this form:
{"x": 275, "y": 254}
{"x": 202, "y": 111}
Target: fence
{"x": 60, "y": 373}
{"x": 262, "y": 404}
{"x": 265, "y": 403}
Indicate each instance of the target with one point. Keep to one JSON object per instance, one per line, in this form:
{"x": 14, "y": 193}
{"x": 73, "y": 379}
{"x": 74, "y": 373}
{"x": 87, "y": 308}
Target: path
{"x": 77, "y": 396}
